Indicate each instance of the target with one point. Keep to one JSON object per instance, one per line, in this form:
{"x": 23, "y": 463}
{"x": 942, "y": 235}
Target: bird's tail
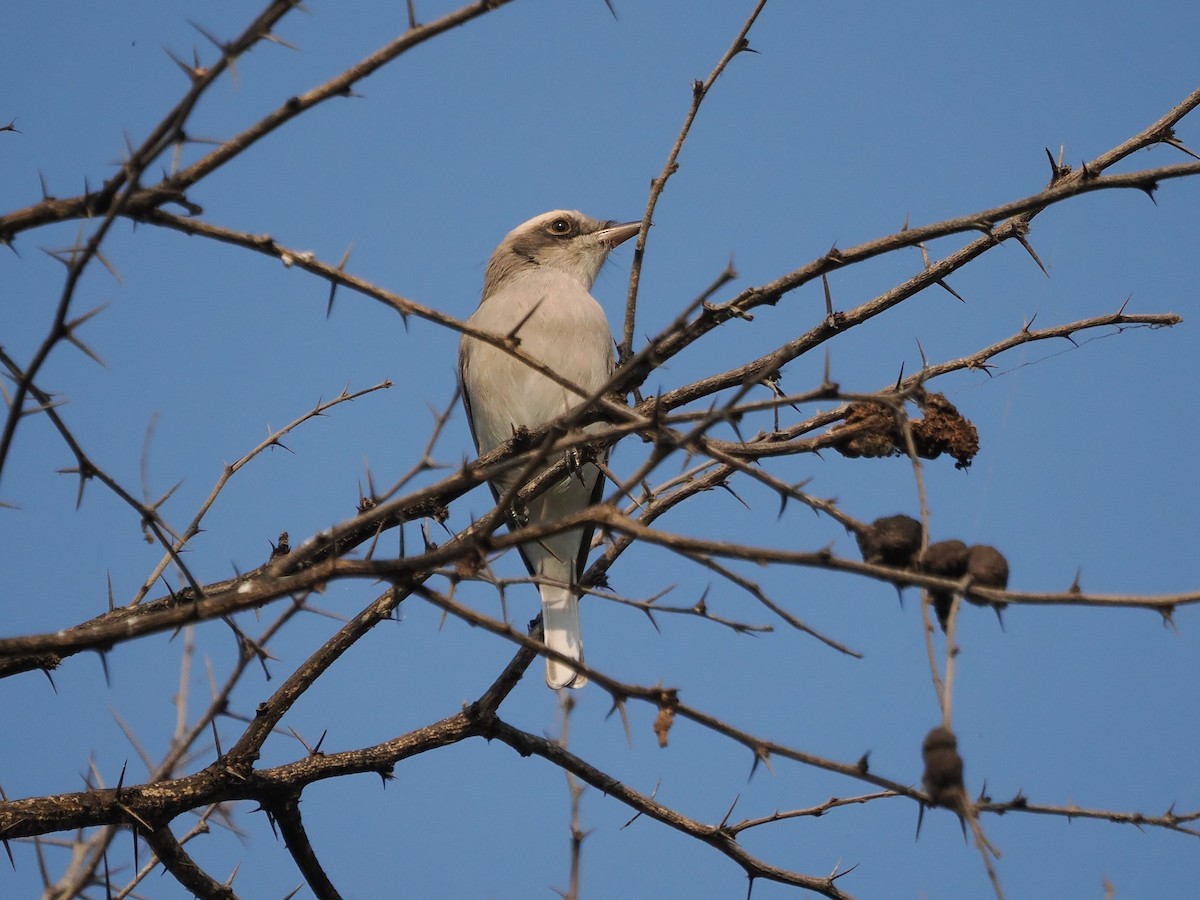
{"x": 560, "y": 623}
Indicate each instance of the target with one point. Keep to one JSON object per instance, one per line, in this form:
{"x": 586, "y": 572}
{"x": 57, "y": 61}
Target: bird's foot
{"x": 576, "y": 458}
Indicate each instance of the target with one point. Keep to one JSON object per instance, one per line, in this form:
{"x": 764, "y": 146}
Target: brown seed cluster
{"x": 980, "y": 565}
{"x": 872, "y": 430}
{"x": 896, "y": 541}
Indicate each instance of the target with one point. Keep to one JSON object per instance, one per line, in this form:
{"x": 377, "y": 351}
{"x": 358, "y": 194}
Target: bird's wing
{"x": 463, "y": 363}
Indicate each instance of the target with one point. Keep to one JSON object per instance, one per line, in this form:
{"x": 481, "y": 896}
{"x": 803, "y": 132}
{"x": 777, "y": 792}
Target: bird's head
{"x": 564, "y": 240}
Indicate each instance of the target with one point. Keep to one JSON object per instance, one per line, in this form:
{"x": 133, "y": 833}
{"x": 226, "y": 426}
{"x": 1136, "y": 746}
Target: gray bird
{"x": 536, "y": 288}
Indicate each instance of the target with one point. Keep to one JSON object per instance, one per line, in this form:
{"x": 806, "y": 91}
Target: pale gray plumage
{"x": 536, "y": 288}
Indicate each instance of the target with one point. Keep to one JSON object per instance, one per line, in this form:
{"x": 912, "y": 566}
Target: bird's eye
{"x": 561, "y": 227}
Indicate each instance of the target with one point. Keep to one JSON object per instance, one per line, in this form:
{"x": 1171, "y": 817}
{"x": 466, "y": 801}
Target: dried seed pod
{"x": 891, "y": 541}
{"x": 874, "y": 431}
{"x": 945, "y": 558}
{"x": 944, "y": 430}
{"x": 943, "y": 778}
{"x": 949, "y": 560}
{"x": 987, "y": 566}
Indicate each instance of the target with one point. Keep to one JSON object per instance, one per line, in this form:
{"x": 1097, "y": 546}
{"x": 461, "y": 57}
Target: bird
{"x": 537, "y": 289}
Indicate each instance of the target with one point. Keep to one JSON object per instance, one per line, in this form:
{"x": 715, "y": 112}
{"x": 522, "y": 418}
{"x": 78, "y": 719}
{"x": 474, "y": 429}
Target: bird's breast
{"x": 558, "y": 324}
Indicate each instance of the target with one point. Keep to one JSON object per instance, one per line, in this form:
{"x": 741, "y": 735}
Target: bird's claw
{"x": 575, "y": 458}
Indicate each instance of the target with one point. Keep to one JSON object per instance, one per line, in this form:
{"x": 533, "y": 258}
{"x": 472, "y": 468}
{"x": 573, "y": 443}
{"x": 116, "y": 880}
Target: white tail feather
{"x": 560, "y": 623}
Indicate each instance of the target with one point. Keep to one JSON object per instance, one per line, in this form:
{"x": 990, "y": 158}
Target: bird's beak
{"x": 613, "y": 234}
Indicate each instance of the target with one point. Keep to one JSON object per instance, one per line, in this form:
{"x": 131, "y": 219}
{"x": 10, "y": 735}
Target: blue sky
{"x": 846, "y": 123}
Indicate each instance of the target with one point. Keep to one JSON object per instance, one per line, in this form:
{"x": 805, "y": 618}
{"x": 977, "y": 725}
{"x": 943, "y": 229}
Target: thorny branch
{"x": 672, "y": 426}
{"x": 700, "y": 89}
